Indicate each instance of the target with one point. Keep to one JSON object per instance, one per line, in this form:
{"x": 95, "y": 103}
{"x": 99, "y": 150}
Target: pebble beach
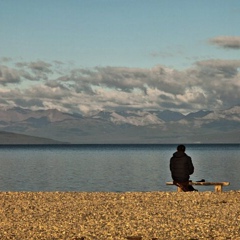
{"x": 108, "y": 215}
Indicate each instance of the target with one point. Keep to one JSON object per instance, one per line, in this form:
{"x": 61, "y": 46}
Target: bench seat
{"x": 218, "y": 185}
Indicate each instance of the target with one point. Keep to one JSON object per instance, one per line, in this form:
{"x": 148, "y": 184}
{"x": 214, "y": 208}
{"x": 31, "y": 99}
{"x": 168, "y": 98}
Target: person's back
{"x": 181, "y": 166}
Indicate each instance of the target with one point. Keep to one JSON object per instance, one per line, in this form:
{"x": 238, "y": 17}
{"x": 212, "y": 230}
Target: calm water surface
{"x": 114, "y": 168}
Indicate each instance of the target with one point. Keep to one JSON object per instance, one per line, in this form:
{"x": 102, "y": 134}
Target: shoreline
{"x": 109, "y": 215}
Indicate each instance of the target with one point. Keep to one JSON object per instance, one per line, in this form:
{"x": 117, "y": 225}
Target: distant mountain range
{"x": 121, "y": 126}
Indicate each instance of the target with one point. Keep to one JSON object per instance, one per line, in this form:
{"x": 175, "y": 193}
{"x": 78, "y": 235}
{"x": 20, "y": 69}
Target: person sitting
{"x": 181, "y": 168}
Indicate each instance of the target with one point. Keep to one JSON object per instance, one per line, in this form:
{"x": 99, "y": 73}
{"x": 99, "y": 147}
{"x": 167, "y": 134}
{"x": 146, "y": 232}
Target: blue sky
{"x": 129, "y": 33}
{"x": 64, "y": 45}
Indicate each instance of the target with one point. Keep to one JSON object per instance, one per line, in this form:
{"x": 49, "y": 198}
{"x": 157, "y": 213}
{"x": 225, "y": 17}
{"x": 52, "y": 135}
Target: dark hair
{"x": 181, "y": 148}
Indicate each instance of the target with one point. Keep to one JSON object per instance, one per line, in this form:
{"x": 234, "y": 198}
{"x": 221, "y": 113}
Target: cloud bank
{"x": 209, "y": 84}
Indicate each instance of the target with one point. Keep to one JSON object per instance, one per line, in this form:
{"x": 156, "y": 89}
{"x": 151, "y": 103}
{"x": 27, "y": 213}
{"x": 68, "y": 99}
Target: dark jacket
{"x": 181, "y": 166}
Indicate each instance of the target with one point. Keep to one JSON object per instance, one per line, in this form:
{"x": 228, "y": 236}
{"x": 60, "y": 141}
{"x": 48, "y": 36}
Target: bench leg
{"x": 218, "y": 188}
{"x": 179, "y": 189}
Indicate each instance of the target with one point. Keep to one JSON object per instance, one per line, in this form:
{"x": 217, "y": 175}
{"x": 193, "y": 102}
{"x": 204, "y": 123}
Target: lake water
{"x": 115, "y": 168}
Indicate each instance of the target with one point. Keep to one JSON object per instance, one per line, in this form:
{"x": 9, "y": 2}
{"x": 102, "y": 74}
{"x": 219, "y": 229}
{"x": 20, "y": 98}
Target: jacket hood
{"x": 179, "y": 154}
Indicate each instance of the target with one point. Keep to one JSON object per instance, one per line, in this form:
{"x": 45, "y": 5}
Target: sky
{"x": 87, "y": 56}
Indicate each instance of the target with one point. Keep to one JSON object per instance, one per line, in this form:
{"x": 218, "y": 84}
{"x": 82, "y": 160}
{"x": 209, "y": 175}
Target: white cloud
{"x": 9, "y": 75}
{"x": 228, "y": 42}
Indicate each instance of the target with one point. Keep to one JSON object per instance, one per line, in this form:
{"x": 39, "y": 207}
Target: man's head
{"x": 181, "y": 148}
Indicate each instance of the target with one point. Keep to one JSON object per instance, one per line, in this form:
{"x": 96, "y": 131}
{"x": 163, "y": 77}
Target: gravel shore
{"x": 107, "y": 215}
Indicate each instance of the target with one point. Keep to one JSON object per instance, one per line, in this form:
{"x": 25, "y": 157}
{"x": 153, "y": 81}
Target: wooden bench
{"x": 218, "y": 185}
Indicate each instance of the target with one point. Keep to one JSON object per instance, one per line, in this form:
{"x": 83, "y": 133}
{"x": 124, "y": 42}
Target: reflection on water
{"x": 110, "y": 168}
